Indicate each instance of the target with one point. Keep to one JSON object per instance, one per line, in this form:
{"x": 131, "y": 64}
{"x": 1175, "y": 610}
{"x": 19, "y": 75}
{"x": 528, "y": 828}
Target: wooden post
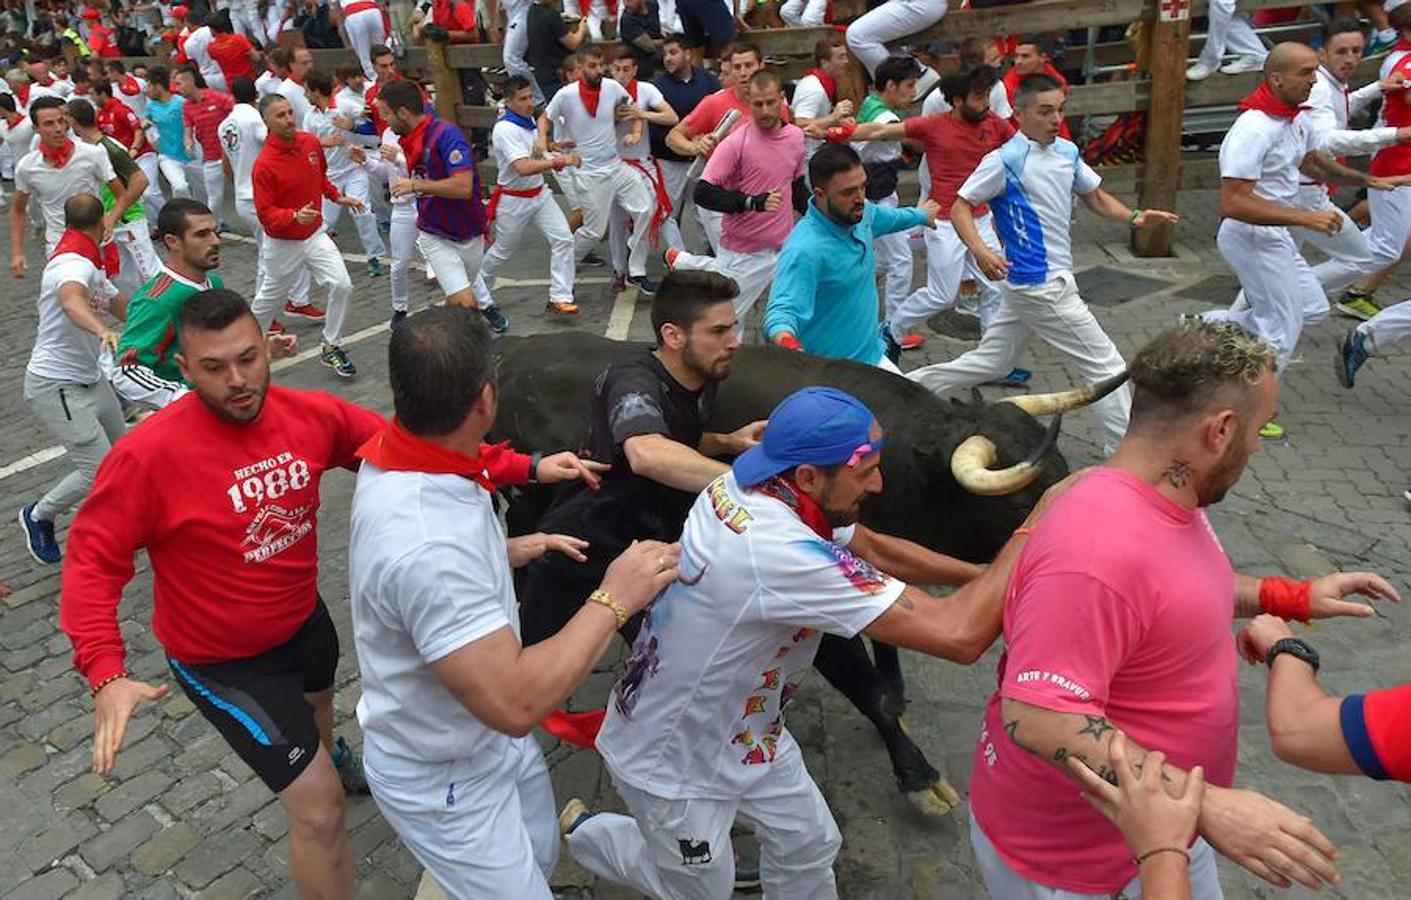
{"x": 445, "y": 80}
{"x": 1170, "y": 33}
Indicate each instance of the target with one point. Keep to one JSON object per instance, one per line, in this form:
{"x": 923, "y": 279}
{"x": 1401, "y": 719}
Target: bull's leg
{"x": 846, "y": 666}
{"x": 889, "y": 669}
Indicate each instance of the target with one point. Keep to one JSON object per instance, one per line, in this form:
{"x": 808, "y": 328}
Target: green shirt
{"x": 149, "y": 337}
{"x": 125, "y": 168}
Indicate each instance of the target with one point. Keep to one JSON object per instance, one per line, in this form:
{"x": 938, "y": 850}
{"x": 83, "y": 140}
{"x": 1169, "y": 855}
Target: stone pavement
{"x": 181, "y": 817}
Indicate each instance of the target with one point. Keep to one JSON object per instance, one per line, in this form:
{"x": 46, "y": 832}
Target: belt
{"x": 495, "y": 195}
{"x": 663, "y": 210}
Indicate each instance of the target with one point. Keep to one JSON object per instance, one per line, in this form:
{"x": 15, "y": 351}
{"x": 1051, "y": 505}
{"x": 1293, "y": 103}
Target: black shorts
{"x": 257, "y": 704}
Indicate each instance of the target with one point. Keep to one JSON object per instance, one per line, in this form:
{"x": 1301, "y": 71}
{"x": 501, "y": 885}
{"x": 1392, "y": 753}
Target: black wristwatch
{"x": 1295, "y": 648}
{"x": 534, "y": 459}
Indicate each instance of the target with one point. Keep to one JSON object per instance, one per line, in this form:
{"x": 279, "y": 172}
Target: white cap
{"x": 1389, "y": 5}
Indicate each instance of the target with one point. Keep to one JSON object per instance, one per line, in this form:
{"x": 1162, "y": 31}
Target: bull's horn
{"x": 971, "y": 461}
{"x": 1063, "y": 401}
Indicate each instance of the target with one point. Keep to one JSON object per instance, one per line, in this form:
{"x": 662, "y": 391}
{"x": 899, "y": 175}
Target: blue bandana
{"x": 522, "y": 121}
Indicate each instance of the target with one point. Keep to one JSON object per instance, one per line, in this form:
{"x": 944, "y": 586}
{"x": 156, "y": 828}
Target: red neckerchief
{"x": 413, "y": 142}
{"x": 129, "y": 86}
{"x": 586, "y": 6}
{"x": 1263, "y": 99}
{"x": 631, "y": 90}
{"x": 57, "y": 156}
{"x": 77, "y": 242}
{"x": 49, "y": 80}
{"x": 589, "y": 96}
{"x": 784, "y": 490}
{"x": 23, "y": 94}
{"x": 398, "y": 450}
{"x": 830, "y": 84}
{"x": 1401, "y": 44}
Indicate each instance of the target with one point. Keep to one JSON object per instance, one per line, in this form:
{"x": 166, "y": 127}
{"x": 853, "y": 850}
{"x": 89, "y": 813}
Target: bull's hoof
{"x": 935, "y": 800}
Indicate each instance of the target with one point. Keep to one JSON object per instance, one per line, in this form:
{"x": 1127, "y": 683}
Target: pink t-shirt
{"x": 754, "y": 161}
{"x": 1121, "y": 607}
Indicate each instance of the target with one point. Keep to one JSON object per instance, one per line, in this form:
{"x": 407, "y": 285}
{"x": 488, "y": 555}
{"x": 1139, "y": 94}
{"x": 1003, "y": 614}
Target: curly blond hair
{"x": 1193, "y": 368}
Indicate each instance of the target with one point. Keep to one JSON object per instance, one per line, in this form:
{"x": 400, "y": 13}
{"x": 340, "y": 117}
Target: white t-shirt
{"x": 293, "y": 91}
{"x": 1267, "y": 150}
{"x": 197, "y": 47}
{"x": 62, "y": 350}
{"x": 699, "y": 711}
{"x": 510, "y": 143}
{"x": 242, "y": 137}
{"x": 1049, "y": 176}
{"x": 319, "y": 123}
{"x": 648, "y": 97}
{"x": 268, "y": 83}
{"x": 62, "y": 86}
{"x": 390, "y": 170}
{"x": 429, "y": 573}
{"x": 136, "y": 102}
{"x": 810, "y": 102}
{"x": 595, "y": 136}
{"x": 880, "y": 151}
{"x": 19, "y": 137}
{"x": 85, "y": 173}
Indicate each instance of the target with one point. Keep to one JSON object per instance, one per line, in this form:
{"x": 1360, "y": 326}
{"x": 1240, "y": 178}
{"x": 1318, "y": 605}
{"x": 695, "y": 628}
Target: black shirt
{"x": 632, "y": 397}
{"x": 545, "y": 53}
{"x": 683, "y": 96}
{"x": 630, "y": 26}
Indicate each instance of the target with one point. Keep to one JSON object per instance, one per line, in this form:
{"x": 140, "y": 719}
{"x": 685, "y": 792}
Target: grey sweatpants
{"x": 86, "y": 419}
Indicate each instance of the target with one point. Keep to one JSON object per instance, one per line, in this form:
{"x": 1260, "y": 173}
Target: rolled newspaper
{"x": 722, "y": 128}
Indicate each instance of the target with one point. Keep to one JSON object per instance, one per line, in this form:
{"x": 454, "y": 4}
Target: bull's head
{"x": 971, "y": 461}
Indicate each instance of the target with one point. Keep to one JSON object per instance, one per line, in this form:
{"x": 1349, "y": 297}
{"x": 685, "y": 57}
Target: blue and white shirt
{"x": 1030, "y": 188}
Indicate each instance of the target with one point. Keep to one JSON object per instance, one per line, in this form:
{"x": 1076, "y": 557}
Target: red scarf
{"x": 398, "y": 450}
{"x": 830, "y": 84}
{"x": 1401, "y": 44}
{"x": 631, "y": 91}
{"x": 57, "y": 156}
{"x": 129, "y": 86}
{"x": 23, "y": 94}
{"x": 586, "y": 6}
{"x": 414, "y": 141}
{"x": 1264, "y": 100}
{"x": 589, "y": 96}
{"x": 783, "y": 489}
{"x": 77, "y": 242}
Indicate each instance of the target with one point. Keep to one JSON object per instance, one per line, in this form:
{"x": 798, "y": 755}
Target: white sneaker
{"x": 1199, "y": 71}
{"x": 1241, "y": 64}
{"x": 929, "y": 79}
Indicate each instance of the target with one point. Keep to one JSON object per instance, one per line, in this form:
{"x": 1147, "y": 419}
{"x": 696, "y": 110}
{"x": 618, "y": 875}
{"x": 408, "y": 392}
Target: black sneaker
{"x": 398, "y": 317}
{"x": 349, "y": 764}
{"x": 591, "y": 260}
{"x": 893, "y": 349}
{"x": 645, "y": 286}
{"x": 39, "y": 538}
{"x": 495, "y": 319}
{"x": 338, "y": 361}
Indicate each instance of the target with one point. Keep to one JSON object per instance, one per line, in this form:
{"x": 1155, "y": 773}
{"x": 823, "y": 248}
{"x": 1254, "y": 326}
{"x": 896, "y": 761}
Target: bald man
{"x": 1261, "y": 160}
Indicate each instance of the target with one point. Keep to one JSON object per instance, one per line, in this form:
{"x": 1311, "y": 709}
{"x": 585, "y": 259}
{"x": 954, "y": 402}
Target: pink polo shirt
{"x": 1121, "y": 607}
{"x": 754, "y": 161}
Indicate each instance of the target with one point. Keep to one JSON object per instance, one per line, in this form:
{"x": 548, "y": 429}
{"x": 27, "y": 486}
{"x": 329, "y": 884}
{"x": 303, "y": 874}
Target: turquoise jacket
{"x": 825, "y": 284}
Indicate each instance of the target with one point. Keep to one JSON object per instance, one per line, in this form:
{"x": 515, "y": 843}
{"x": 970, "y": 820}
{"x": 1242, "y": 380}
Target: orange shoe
{"x": 913, "y": 342}
{"x": 308, "y": 310}
{"x": 562, "y": 308}
{"x": 669, "y": 257}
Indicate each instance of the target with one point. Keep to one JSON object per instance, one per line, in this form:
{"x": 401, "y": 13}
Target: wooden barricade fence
{"x": 1161, "y": 92}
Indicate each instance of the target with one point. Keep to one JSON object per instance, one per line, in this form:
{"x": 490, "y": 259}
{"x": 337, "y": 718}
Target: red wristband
{"x": 1288, "y": 599}
{"x": 789, "y": 342}
{"x": 559, "y": 163}
{"x": 840, "y": 133}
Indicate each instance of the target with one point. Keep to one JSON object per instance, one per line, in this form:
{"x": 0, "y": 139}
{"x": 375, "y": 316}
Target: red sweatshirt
{"x": 228, "y": 516}
{"x": 287, "y": 177}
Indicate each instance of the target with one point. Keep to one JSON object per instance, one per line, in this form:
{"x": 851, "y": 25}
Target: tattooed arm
{"x": 1260, "y": 834}
{"x": 1321, "y": 167}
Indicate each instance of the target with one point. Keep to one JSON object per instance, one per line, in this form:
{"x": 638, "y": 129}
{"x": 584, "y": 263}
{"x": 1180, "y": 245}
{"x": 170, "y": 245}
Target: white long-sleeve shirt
{"x": 1333, "y": 104}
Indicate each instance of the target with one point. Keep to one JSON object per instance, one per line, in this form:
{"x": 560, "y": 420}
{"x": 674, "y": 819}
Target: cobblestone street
{"x": 181, "y": 816}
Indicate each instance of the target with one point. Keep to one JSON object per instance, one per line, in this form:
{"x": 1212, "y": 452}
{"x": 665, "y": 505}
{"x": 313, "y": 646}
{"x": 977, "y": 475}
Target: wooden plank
{"x": 1198, "y": 172}
{"x": 1107, "y": 97}
{"x": 1161, "y": 173}
{"x": 1040, "y": 17}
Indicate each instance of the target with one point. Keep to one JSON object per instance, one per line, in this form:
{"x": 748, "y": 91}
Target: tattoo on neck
{"x": 1179, "y": 473}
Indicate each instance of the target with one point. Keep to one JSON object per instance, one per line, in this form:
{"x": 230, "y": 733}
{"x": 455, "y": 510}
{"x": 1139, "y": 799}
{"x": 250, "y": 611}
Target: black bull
{"x": 545, "y": 384}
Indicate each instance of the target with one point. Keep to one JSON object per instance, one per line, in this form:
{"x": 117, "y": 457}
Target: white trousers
{"x": 364, "y": 30}
{"x": 137, "y": 259}
{"x": 152, "y": 199}
{"x": 674, "y": 174}
{"x": 137, "y": 384}
{"x": 284, "y": 260}
{"x": 403, "y": 235}
{"x": 867, "y": 36}
{"x": 456, "y": 265}
{"x": 1004, "y": 883}
{"x": 625, "y": 188}
{"x": 516, "y": 44}
{"x": 711, "y": 224}
{"x": 482, "y": 827}
{"x": 174, "y": 171}
{"x": 1057, "y": 314}
{"x": 246, "y": 21}
{"x": 894, "y": 262}
{"x": 512, "y": 217}
{"x": 1230, "y": 32}
{"x": 1387, "y": 328}
{"x": 623, "y": 225}
{"x": 213, "y": 177}
{"x": 680, "y": 849}
{"x": 1385, "y": 239}
{"x": 752, "y": 272}
{"x": 948, "y": 263}
{"x": 1349, "y": 256}
{"x": 245, "y": 209}
{"x": 1277, "y": 282}
{"x": 356, "y": 184}
{"x": 799, "y": 13}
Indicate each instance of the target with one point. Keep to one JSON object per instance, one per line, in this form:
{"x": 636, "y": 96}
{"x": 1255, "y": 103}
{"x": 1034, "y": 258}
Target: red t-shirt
{"x": 1396, "y": 112}
{"x": 1120, "y": 609}
{"x": 1011, "y": 86}
{"x": 453, "y": 15}
{"x": 228, "y": 516}
{"x": 1376, "y": 727}
{"x": 232, "y": 53}
{"x": 117, "y": 120}
{"x": 708, "y": 113}
{"x": 204, "y": 116}
{"x": 954, "y": 147}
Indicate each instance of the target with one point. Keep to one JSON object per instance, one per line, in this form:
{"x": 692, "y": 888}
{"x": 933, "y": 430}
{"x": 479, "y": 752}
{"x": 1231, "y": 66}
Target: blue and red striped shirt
{"x": 441, "y": 151}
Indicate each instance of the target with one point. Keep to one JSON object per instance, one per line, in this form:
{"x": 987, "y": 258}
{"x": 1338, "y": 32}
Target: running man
{"x": 650, "y": 107}
{"x": 204, "y": 110}
{"x": 164, "y": 118}
{"x": 333, "y": 129}
{"x": 389, "y": 164}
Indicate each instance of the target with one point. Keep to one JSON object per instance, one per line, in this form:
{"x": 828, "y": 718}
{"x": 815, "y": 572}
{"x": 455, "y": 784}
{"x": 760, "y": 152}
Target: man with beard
{"x": 684, "y": 86}
{"x": 1118, "y": 617}
{"x": 222, "y": 490}
{"x": 647, "y": 419}
{"x": 772, "y": 558}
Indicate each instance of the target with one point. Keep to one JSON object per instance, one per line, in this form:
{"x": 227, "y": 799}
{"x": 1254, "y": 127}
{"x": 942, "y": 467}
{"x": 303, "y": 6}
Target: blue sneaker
{"x": 893, "y": 349}
{"x": 1379, "y": 46}
{"x": 497, "y": 320}
{"x": 645, "y": 286}
{"x": 1352, "y": 353}
{"x": 1015, "y": 378}
{"x": 39, "y": 538}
